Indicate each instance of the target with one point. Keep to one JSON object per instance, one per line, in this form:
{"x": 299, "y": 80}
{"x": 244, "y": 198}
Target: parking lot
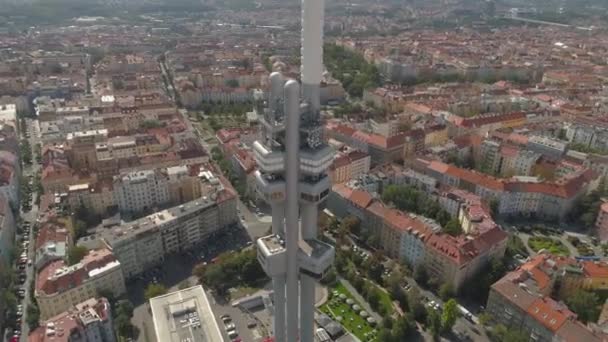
{"x": 177, "y": 269}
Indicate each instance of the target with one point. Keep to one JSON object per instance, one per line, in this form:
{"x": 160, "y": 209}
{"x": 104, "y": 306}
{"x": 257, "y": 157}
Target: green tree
{"x": 25, "y": 150}
{"x": 32, "y": 316}
{"x": 433, "y": 321}
{"x": 494, "y": 204}
{"x": 154, "y": 290}
{"x": 453, "y": 227}
{"x": 446, "y": 291}
{"x": 585, "y": 304}
{"x": 232, "y": 83}
{"x": 403, "y": 328}
{"x": 416, "y": 307}
{"x": 124, "y": 308}
{"x": 373, "y": 298}
{"x": 148, "y": 124}
{"x": 504, "y": 334}
{"x": 76, "y": 253}
{"x": 421, "y": 276}
{"x": 449, "y": 315}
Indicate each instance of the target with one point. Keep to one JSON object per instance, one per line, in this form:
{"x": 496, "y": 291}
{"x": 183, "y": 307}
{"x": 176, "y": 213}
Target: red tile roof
{"x": 342, "y": 190}
{"x": 68, "y": 323}
{"x": 550, "y": 313}
{"x": 595, "y": 269}
{"x": 564, "y": 188}
{"x": 340, "y": 161}
{"x": 50, "y": 280}
{"x": 51, "y": 231}
{"x": 403, "y": 222}
{"x": 487, "y": 119}
{"x": 343, "y": 129}
{"x": 360, "y": 198}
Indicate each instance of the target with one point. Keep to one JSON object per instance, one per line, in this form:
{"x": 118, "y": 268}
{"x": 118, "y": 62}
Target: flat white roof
{"x": 184, "y": 316}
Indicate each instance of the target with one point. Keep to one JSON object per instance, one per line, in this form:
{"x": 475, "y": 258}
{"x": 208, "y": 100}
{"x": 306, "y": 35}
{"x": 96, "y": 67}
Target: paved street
{"x": 30, "y": 216}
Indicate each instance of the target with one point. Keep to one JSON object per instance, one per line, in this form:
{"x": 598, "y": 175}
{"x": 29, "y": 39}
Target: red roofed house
{"x": 521, "y": 300}
{"x": 484, "y": 123}
{"x": 385, "y": 150}
{"x": 515, "y": 196}
{"x": 53, "y": 239}
{"x": 417, "y": 241}
{"x": 244, "y": 166}
{"x": 347, "y": 166}
{"x": 457, "y": 259}
{"x": 87, "y": 321}
{"x": 59, "y": 286}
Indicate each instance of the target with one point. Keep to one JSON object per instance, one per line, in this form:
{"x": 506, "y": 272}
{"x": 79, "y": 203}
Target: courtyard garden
{"x": 551, "y": 245}
{"x": 344, "y": 309}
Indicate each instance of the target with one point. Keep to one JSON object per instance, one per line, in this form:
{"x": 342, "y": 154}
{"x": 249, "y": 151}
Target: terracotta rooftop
{"x": 595, "y": 269}
{"x": 57, "y": 276}
{"x": 550, "y": 313}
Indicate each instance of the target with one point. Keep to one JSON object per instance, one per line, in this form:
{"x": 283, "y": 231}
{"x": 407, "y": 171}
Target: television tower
{"x": 292, "y": 160}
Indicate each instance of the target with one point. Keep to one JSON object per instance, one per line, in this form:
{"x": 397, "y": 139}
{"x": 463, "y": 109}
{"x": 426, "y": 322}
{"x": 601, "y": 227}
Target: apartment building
{"x": 520, "y": 301}
{"x": 418, "y": 240}
{"x": 59, "y": 286}
{"x": 145, "y": 242}
{"x": 385, "y": 127}
{"x": 590, "y": 132}
{"x": 490, "y": 154}
{"x": 382, "y": 149}
{"x": 56, "y": 131}
{"x": 88, "y": 321}
{"x": 53, "y": 239}
{"x": 7, "y": 231}
{"x": 549, "y": 148}
{"x": 10, "y": 171}
{"x": 349, "y": 165}
{"x": 140, "y": 191}
{"x": 404, "y": 235}
{"x": 516, "y": 196}
{"x": 484, "y": 123}
{"x": 96, "y": 197}
{"x": 458, "y": 259}
{"x": 82, "y": 152}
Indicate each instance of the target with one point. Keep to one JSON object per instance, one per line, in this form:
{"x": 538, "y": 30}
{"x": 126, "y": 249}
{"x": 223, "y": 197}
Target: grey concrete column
{"x": 292, "y": 231}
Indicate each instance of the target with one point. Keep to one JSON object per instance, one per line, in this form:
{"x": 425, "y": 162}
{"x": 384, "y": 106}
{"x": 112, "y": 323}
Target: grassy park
{"x": 551, "y": 245}
{"x": 339, "y": 309}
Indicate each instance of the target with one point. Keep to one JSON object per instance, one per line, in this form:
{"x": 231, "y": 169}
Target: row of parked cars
{"x": 22, "y": 265}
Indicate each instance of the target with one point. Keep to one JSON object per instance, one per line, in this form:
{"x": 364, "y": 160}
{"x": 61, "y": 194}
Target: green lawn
{"x": 351, "y": 320}
{"x": 553, "y": 246}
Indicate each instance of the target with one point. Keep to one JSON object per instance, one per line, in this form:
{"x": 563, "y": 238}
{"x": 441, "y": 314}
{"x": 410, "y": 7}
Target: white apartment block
{"x": 140, "y": 191}
{"x": 145, "y": 242}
